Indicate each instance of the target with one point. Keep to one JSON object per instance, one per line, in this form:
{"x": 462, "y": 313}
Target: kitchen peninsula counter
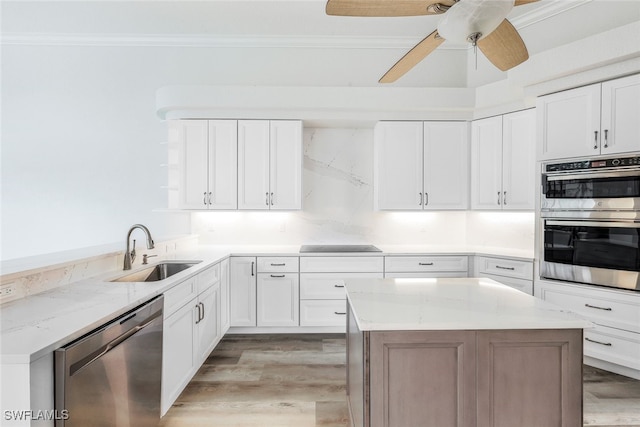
{"x": 460, "y": 352}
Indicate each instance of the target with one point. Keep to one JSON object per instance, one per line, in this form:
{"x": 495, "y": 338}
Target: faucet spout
{"x": 130, "y": 255}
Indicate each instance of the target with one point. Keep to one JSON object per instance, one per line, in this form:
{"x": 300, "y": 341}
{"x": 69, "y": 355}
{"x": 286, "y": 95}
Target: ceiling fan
{"x": 482, "y": 23}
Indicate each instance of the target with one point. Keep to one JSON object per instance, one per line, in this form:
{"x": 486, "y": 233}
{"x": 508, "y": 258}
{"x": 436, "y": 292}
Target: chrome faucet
{"x": 130, "y": 255}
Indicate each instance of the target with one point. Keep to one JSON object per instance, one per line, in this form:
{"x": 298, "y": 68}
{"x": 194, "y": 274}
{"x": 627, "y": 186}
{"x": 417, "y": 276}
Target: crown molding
{"x": 548, "y": 10}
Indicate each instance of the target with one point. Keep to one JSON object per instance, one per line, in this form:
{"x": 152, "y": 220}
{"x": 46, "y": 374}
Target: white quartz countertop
{"x": 33, "y": 326}
{"x": 451, "y": 304}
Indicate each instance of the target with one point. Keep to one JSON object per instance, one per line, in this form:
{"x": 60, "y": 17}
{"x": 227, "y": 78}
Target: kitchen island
{"x": 460, "y": 352}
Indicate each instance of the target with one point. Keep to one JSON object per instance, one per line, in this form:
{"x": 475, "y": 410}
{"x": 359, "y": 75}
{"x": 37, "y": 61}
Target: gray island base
{"x": 460, "y": 352}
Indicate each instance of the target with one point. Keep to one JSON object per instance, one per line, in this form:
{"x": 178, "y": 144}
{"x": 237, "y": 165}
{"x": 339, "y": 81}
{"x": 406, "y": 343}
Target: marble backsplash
{"x": 338, "y": 208}
{"x": 30, "y": 276}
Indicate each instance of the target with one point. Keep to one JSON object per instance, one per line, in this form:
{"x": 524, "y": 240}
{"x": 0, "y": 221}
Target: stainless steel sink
{"x": 157, "y": 272}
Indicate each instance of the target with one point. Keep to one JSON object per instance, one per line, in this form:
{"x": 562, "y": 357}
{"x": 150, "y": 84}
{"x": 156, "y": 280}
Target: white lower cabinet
{"x": 278, "y": 299}
{"x": 517, "y": 274}
{"x": 242, "y": 291}
{"x": 190, "y": 332}
{"x": 322, "y": 312}
{"x": 615, "y": 339}
{"x": 426, "y": 266}
{"x": 224, "y": 296}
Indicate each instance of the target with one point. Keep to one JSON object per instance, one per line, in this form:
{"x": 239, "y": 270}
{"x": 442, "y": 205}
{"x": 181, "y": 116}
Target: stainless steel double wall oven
{"x": 590, "y": 213}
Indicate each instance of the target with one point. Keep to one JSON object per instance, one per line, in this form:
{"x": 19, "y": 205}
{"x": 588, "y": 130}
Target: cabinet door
{"x": 278, "y": 299}
{"x": 223, "y": 164}
{"x": 446, "y": 165}
{"x": 486, "y": 163}
{"x": 569, "y": 123}
{"x": 285, "y": 180}
{"x": 179, "y": 353}
{"x": 209, "y": 322}
{"x": 398, "y": 166}
{"x": 242, "y": 291}
{"x": 253, "y": 164}
{"x": 224, "y": 297}
{"x": 519, "y": 160}
{"x": 192, "y": 163}
{"x": 621, "y": 115}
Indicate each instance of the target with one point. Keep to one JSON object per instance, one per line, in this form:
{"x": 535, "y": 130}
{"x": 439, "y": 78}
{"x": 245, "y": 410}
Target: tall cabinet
{"x": 206, "y": 163}
{"x": 502, "y": 162}
{"x": 269, "y": 164}
{"x": 421, "y": 165}
{"x": 599, "y": 119}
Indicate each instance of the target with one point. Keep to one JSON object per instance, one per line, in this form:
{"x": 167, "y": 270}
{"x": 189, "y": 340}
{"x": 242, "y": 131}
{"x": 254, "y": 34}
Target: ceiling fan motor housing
{"x": 468, "y": 17}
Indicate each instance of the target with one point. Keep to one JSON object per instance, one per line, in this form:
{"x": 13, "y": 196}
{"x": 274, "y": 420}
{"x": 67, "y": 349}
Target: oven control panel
{"x": 594, "y": 164}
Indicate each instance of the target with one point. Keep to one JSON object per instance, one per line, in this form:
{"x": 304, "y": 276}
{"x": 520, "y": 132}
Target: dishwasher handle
{"x": 86, "y": 361}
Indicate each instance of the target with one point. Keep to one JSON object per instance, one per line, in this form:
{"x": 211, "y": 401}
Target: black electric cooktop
{"x": 338, "y": 248}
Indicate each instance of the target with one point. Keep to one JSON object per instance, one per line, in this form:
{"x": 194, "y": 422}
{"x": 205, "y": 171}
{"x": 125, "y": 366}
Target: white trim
{"x": 547, "y": 11}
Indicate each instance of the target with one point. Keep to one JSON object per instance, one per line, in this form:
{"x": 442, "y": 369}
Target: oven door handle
{"x": 588, "y": 175}
{"x": 616, "y": 224}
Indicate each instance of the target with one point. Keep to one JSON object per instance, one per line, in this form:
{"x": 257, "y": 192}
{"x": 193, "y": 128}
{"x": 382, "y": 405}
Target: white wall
{"x": 338, "y": 208}
{"x": 80, "y": 149}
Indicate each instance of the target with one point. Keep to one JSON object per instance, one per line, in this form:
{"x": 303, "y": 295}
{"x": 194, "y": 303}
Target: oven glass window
{"x": 593, "y": 246}
{"x": 593, "y": 188}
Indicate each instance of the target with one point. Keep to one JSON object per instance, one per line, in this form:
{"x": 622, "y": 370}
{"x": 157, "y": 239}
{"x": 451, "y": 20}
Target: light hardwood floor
{"x": 298, "y": 380}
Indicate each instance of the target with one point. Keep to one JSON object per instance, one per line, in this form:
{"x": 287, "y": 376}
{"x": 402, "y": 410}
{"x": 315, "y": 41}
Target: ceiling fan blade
{"x": 385, "y": 7}
{"x": 504, "y": 47}
{"x": 411, "y": 58}
{"x": 521, "y": 2}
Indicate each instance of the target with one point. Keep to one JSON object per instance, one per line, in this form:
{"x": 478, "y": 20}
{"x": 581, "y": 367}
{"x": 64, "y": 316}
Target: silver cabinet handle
{"x": 595, "y": 140}
{"x": 210, "y": 198}
{"x": 425, "y": 263}
{"x": 202, "y": 304}
{"x": 282, "y": 264}
{"x": 608, "y": 344}
{"x": 266, "y": 198}
{"x": 199, "y": 315}
{"x": 426, "y": 199}
{"x": 204, "y": 198}
{"x": 505, "y": 268}
{"x": 606, "y": 138}
{"x": 252, "y": 263}
{"x": 420, "y": 202}
{"x": 598, "y": 308}
{"x": 338, "y": 286}
{"x": 271, "y": 199}
{"x": 340, "y": 313}
{"x": 498, "y": 197}
{"x": 277, "y": 276}
{"x": 504, "y": 198}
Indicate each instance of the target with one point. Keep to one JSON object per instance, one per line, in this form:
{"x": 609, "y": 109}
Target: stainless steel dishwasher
{"x": 111, "y": 376}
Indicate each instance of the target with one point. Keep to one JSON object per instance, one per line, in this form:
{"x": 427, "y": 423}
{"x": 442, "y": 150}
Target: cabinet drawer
{"x": 277, "y": 264}
{"x": 503, "y": 267}
{"x": 606, "y": 311}
{"x": 179, "y": 295}
{"x": 341, "y": 264}
{"x": 323, "y": 312}
{"x": 613, "y": 345}
{"x": 328, "y": 285}
{"x": 208, "y": 277}
{"x": 408, "y": 264}
{"x": 525, "y": 286}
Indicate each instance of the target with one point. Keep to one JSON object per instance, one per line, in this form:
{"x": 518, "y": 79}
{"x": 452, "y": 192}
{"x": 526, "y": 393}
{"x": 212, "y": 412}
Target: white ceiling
{"x": 280, "y": 26}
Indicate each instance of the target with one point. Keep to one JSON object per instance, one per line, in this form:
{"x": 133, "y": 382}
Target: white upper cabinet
{"x": 602, "y": 118}
{"x": 206, "y": 164}
{"x": 621, "y": 115}
{"x": 269, "y": 164}
{"x": 503, "y": 162}
{"x": 421, "y": 165}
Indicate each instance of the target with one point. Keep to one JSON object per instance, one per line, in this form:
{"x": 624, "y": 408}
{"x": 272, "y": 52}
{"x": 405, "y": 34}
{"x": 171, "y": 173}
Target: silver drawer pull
{"x": 340, "y": 312}
{"x": 278, "y": 265}
{"x": 425, "y": 263}
{"x": 598, "y": 308}
{"x": 608, "y": 344}
{"x": 277, "y": 275}
{"x": 505, "y": 268}
{"x": 338, "y": 286}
